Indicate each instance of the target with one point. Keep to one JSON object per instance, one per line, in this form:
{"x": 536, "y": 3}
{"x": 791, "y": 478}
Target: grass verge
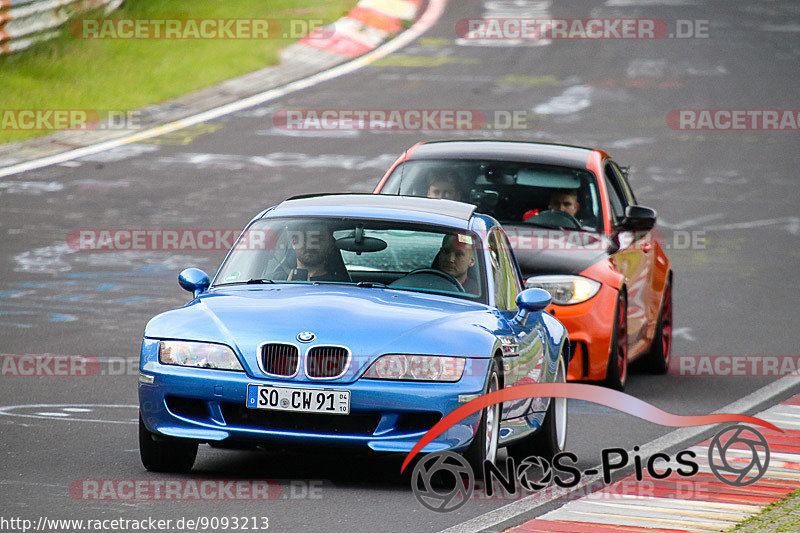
{"x": 780, "y": 516}
{"x": 127, "y": 74}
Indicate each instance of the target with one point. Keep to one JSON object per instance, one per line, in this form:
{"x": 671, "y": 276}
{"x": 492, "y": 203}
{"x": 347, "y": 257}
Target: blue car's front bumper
{"x": 390, "y": 416}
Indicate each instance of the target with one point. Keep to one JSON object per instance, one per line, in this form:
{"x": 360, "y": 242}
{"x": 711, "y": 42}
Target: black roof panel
{"x": 553, "y": 154}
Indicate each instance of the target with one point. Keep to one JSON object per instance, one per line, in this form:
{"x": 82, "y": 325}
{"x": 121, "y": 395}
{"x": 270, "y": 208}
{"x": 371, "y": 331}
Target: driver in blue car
{"x": 317, "y": 258}
{"x": 456, "y": 257}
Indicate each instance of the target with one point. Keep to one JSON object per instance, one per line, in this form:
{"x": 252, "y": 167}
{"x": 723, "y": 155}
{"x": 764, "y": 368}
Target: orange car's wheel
{"x": 658, "y": 356}
{"x": 617, "y": 368}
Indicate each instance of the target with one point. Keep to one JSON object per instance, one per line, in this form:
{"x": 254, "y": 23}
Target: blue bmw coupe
{"x": 359, "y": 320}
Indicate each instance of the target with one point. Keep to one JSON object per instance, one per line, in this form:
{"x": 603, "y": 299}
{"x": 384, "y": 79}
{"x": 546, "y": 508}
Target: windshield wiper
{"x": 372, "y": 284}
{"x": 248, "y": 282}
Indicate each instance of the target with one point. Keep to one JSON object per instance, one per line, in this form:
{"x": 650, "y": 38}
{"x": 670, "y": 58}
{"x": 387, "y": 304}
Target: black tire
{"x": 551, "y": 438}
{"x": 165, "y": 454}
{"x": 617, "y": 368}
{"x": 657, "y": 359}
{"x": 485, "y": 443}
{"x": 232, "y": 445}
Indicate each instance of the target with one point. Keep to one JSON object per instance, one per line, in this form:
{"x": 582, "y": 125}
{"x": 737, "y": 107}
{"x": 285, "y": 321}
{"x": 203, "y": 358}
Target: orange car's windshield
{"x": 511, "y": 192}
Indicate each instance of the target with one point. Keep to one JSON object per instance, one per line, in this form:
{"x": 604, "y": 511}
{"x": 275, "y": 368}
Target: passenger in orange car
{"x": 444, "y": 184}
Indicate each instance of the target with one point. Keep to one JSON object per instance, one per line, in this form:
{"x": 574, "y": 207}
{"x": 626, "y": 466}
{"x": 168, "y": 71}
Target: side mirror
{"x": 530, "y": 301}
{"x": 194, "y": 280}
{"x": 638, "y": 218}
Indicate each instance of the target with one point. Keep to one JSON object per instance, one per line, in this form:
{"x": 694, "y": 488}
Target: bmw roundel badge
{"x": 305, "y": 336}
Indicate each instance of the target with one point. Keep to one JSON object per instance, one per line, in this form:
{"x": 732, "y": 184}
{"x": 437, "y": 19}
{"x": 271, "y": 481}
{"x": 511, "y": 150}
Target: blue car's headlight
{"x": 198, "y": 354}
{"x": 417, "y": 368}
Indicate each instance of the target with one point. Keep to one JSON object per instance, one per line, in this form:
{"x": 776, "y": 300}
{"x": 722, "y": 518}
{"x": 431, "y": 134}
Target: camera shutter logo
{"x": 450, "y": 474}
{"x": 736, "y": 452}
{"x": 534, "y": 473}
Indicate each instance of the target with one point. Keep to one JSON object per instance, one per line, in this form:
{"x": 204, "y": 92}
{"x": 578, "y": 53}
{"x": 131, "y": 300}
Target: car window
{"x": 623, "y": 182}
{"x": 405, "y": 251}
{"x": 402, "y": 255}
{"x": 514, "y": 271}
{"x": 498, "y": 279}
{"x": 510, "y": 280}
{"x": 511, "y": 192}
{"x": 614, "y": 195}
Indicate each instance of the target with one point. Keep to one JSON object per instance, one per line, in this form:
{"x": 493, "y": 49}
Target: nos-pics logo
{"x": 444, "y": 481}
{"x": 738, "y": 455}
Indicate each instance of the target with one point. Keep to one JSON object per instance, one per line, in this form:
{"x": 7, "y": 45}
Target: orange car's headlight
{"x": 565, "y": 290}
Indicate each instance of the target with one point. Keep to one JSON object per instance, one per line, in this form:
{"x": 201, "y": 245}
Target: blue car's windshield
{"x": 512, "y": 192}
{"x": 374, "y": 253}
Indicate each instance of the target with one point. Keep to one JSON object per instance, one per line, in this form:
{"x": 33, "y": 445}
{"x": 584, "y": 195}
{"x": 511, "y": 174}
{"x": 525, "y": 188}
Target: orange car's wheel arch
{"x": 618, "y": 356}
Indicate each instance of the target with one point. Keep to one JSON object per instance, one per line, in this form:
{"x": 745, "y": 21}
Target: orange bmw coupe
{"x": 577, "y": 231}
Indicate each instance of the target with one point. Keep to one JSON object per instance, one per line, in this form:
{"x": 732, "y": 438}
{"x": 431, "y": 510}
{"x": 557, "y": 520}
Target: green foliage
{"x": 126, "y": 74}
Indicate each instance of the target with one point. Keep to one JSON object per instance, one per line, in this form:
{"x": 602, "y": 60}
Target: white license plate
{"x": 332, "y": 402}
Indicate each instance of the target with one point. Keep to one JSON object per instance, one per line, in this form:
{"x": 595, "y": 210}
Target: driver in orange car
{"x": 565, "y": 200}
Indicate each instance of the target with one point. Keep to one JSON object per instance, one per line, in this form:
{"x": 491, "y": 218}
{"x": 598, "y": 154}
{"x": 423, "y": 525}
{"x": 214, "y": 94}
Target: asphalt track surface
{"x": 736, "y": 294}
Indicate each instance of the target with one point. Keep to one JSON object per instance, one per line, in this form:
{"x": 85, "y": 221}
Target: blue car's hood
{"x": 369, "y": 321}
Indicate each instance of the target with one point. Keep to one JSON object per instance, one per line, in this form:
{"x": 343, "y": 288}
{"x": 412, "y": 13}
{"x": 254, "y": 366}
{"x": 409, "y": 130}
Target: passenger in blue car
{"x": 457, "y": 257}
{"x": 316, "y": 256}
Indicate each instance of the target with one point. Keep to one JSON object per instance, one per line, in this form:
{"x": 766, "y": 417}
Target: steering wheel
{"x": 552, "y": 216}
{"x": 421, "y": 272}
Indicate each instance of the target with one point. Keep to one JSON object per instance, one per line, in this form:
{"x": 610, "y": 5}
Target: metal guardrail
{"x": 24, "y": 23}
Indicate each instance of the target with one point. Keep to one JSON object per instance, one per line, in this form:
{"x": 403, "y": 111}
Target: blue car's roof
{"x": 430, "y": 210}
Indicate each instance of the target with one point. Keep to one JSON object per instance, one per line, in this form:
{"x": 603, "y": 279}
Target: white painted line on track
{"x": 531, "y": 503}
{"x": 432, "y": 13}
{"x": 72, "y": 410}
